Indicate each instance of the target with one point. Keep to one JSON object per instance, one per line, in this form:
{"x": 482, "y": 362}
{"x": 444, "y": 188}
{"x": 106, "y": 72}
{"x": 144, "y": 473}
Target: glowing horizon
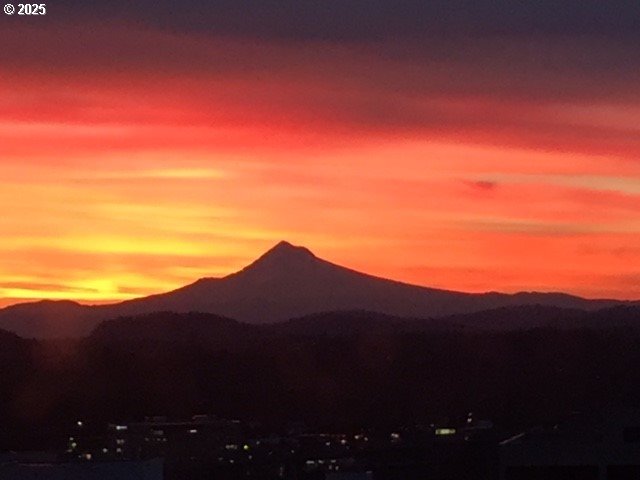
{"x": 144, "y": 160}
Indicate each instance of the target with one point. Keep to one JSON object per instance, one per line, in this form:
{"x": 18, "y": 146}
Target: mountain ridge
{"x": 285, "y": 282}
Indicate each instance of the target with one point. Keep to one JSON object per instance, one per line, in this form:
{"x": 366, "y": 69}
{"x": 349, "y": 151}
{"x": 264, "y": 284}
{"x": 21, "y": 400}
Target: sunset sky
{"x": 468, "y": 145}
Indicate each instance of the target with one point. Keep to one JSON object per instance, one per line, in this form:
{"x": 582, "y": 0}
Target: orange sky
{"x": 140, "y": 160}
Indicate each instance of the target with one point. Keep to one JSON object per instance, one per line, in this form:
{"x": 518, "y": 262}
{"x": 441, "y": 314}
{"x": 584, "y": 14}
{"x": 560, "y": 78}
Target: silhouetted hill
{"x": 284, "y": 283}
{"x": 217, "y": 332}
{"x": 16, "y": 371}
{"x": 48, "y": 319}
{"x": 11, "y": 343}
{"x": 344, "y": 323}
{"x": 618, "y": 316}
{"x": 520, "y": 317}
{"x": 192, "y": 329}
{"x": 528, "y": 317}
{"x": 333, "y": 371}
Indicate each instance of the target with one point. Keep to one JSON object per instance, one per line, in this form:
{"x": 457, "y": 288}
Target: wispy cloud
{"x": 139, "y": 154}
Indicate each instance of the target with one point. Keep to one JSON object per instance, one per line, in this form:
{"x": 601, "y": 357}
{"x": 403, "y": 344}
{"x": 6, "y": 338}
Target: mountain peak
{"x": 285, "y": 252}
{"x": 287, "y": 249}
{"x": 283, "y": 257}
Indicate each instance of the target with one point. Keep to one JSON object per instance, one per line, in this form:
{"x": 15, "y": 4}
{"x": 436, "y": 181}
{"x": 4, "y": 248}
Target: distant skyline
{"x": 463, "y": 145}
